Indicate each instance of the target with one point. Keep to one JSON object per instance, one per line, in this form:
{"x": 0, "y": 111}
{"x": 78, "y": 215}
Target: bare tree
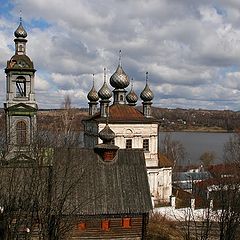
{"x": 232, "y": 149}
{"x": 37, "y": 190}
{"x": 226, "y": 197}
{"x": 207, "y": 158}
{"x": 172, "y": 149}
{"x": 68, "y": 115}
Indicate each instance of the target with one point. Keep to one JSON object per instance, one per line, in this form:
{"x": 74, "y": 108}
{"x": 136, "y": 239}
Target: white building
{"x": 133, "y": 129}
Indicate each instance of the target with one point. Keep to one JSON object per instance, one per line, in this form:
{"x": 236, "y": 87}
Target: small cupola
{"x": 93, "y": 99}
{"x": 147, "y": 97}
{"x": 20, "y": 41}
{"x": 132, "y": 97}
{"x": 104, "y": 94}
{"x": 147, "y": 94}
{"x": 93, "y": 95}
{"x": 107, "y": 135}
{"x": 107, "y": 151}
{"x": 20, "y": 32}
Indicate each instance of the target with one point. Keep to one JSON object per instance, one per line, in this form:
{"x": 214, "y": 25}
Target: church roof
{"x": 116, "y": 187}
{"x": 132, "y": 97}
{"x": 163, "y": 161}
{"x": 20, "y": 31}
{"x": 21, "y": 107}
{"x": 20, "y": 62}
{"x": 119, "y": 79}
{"x": 122, "y": 113}
{"x": 146, "y": 94}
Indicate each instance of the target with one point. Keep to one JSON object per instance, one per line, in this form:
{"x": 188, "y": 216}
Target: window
{"x": 129, "y": 143}
{"x": 20, "y": 48}
{"x": 113, "y": 142}
{"x": 21, "y": 131}
{"x": 105, "y": 225}
{"x": 126, "y": 222}
{"x": 146, "y": 145}
{"x": 121, "y": 97}
{"x": 21, "y": 87}
{"x": 82, "y": 226}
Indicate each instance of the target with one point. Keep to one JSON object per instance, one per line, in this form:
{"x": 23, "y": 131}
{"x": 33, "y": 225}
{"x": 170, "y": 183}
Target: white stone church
{"x": 132, "y": 128}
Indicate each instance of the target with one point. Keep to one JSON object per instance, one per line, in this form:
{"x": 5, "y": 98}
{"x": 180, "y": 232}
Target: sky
{"x": 190, "y": 48}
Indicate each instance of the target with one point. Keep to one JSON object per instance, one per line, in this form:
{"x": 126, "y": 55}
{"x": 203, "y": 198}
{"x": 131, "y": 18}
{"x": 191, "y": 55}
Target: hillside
{"x": 170, "y": 119}
{"x": 197, "y": 120}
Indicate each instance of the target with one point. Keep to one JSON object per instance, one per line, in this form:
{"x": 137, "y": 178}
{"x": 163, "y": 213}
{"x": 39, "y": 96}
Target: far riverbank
{"x": 198, "y": 129}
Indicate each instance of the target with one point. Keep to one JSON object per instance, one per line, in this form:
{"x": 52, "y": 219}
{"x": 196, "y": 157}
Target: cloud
{"x": 190, "y": 48}
{"x": 41, "y": 84}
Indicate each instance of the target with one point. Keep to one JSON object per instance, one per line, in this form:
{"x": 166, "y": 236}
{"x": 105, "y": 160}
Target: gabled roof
{"x": 123, "y": 113}
{"x": 116, "y": 187}
{"x": 13, "y": 63}
{"x": 21, "y": 107}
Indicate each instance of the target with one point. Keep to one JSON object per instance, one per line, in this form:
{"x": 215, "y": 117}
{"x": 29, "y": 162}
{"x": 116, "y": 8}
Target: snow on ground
{"x": 187, "y": 214}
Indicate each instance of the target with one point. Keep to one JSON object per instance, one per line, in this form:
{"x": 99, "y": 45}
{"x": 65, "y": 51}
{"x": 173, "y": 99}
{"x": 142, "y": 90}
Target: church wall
{"x": 90, "y": 134}
{"x": 137, "y": 132}
{"x": 160, "y": 182}
{"x": 165, "y": 184}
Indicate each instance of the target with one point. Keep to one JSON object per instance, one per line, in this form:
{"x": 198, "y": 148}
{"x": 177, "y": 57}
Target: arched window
{"x": 21, "y": 131}
{"x": 21, "y": 87}
{"x": 20, "y": 48}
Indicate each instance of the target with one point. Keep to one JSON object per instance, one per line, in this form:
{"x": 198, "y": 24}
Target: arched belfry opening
{"x": 20, "y": 87}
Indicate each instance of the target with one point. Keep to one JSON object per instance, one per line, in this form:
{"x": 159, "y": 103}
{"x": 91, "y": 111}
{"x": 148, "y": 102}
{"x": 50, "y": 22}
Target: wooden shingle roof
{"x": 116, "y": 187}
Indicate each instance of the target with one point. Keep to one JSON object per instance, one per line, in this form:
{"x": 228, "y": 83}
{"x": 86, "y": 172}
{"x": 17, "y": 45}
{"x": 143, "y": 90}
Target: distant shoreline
{"x": 200, "y": 130}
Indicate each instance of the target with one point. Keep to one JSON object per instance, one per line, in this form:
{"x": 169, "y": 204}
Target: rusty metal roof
{"x": 163, "y": 161}
{"x": 123, "y": 113}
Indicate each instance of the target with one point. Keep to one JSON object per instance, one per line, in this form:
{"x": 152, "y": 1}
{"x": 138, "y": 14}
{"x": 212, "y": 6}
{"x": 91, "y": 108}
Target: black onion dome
{"x": 132, "y": 97}
{"x": 93, "y": 95}
{"x": 119, "y": 79}
{"x": 147, "y": 94}
{"x": 20, "y": 32}
{"x": 104, "y": 92}
{"x": 107, "y": 134}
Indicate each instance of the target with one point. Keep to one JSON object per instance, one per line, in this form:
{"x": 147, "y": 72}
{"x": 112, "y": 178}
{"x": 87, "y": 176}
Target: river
{"x": 196, "y": 143}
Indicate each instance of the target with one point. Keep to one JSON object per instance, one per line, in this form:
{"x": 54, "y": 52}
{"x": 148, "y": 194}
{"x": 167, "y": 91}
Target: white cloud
{"x": 41, "y": 84}
{"x": 190, "y": 48}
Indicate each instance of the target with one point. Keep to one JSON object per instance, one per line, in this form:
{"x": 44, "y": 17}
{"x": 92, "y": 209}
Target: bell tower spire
{"x": 20, "y": 106}
{"x": 20, "y": 40}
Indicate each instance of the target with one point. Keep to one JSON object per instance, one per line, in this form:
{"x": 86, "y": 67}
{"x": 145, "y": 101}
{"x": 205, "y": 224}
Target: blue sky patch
{"x": 38, "y": 23}
{"x": 5, "y": 9}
